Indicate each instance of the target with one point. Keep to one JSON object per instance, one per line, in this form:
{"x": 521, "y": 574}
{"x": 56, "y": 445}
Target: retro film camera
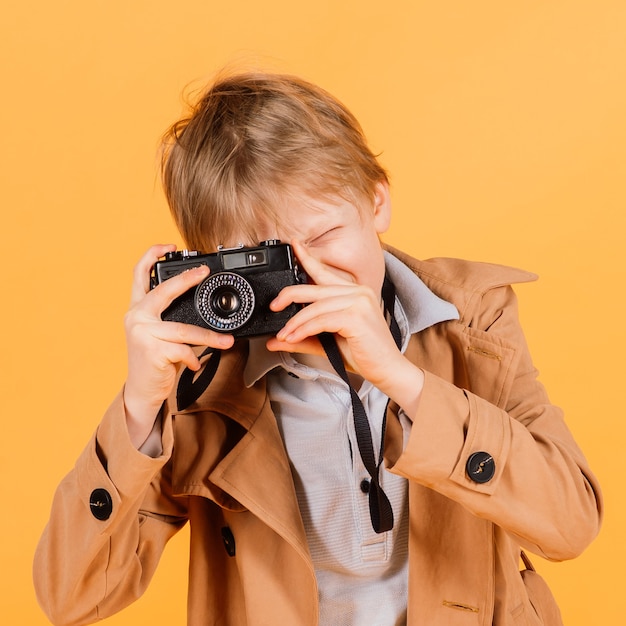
{"x": 235, "y": 297}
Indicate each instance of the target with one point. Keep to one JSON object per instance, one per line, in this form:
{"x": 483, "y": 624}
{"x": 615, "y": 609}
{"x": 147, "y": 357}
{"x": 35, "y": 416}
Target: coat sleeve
{"x": 536, "y": 483}
{"x": 106, "y": 533}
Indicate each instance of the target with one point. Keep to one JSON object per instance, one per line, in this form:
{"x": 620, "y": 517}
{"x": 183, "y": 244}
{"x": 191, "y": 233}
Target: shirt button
{"x": 101, "y": 504}
{"x": 365, "y": 485}
{"x": 480, "y": 467}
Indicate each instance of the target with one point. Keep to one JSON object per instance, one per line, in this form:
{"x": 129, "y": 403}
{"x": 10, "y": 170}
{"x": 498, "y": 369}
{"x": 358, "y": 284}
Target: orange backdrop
{"x": 503, "y": 125}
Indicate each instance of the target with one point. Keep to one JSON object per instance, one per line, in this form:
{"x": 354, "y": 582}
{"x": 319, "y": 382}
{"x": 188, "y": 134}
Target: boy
{"x": 295, "y": 517}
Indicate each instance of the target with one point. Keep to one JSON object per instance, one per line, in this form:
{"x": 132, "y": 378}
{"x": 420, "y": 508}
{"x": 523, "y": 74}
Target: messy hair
{"x": 254, "y": 141}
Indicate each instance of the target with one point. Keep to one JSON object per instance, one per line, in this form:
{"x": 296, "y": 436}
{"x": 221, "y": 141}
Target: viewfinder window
{"x": 249, "y": 258}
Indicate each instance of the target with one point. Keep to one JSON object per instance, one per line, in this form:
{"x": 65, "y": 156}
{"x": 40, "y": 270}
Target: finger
{"x": 317, "y": 271}
{"x": 141, "y": 274}
{"x": 325, "y": 299}
{"x": 189, "y": 334}
{"x": 334, "y": 322}
{"x": 157, "y": 300}
{"x": 343, "y": 313}
{"x": 145, "y": 332}
{"x": 175, "y": 353}
{"x": 310, "y": 345}
{"x": 308, "y": 294}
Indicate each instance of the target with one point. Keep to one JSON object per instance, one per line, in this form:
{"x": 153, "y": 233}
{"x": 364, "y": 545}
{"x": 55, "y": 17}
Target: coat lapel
{"x": 227, "y": 448}
{"x": 257, "y": 473}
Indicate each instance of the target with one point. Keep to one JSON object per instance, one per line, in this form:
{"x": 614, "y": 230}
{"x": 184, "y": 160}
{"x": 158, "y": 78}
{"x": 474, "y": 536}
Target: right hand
{"x": 156, "y": 347}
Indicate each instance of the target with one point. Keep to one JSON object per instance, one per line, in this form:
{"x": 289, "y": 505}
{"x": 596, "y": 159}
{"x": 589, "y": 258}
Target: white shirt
{"x": 361, "y": 575}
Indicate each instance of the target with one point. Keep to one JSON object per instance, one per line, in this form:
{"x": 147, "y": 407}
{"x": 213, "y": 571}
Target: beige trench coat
{"x": 224, "y": 469}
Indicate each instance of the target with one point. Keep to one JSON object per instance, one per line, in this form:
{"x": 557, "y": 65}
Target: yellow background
{"x": 503, "y": 125}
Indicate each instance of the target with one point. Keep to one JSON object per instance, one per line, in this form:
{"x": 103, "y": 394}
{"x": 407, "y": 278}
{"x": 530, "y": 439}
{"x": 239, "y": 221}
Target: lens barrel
{"x": 225, "y": 301}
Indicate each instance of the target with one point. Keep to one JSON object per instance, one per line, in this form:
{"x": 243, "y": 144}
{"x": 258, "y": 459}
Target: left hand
{"x": 353, "y": 313}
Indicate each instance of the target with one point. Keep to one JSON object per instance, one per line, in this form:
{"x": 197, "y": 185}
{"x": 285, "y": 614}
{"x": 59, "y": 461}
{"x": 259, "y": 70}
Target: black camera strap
{"x": 192, "y": 385}
{"x": 381, "y": 512}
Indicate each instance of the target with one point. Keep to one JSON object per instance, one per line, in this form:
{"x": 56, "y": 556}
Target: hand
{"x": 354, "y": 314}
{"x": 156, "y": 348}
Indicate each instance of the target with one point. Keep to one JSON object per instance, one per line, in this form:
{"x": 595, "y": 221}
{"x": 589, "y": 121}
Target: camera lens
{"x": 225, "y": 301}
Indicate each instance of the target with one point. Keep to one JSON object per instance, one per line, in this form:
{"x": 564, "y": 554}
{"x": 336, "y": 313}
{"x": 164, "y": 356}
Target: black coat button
{"x": 480, "y": 467}
{"x": 365, "y": 485}
{"x": 101, "y": 504}
{"x": 229, "y": 540}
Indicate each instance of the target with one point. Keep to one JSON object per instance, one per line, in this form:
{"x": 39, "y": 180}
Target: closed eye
{"x": 320, "y": 238}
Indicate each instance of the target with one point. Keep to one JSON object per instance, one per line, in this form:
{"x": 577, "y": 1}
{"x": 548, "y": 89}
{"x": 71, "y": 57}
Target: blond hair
{"x": 254, "y": 141}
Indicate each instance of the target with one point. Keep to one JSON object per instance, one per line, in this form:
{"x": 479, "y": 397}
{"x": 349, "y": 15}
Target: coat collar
{"x": 462, "y": 282}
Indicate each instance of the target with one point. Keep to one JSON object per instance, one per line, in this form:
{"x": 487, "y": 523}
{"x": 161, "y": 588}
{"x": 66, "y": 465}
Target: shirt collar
{"x": 421, "y": 306}
{"x": 417, "y": 308}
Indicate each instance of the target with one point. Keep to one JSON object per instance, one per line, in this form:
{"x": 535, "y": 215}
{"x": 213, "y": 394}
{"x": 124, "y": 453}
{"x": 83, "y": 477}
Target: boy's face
{"x": 339, "y": 235}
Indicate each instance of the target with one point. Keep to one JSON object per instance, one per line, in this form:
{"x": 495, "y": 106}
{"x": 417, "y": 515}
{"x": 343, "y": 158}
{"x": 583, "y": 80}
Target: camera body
{"x": 235, "y": 296}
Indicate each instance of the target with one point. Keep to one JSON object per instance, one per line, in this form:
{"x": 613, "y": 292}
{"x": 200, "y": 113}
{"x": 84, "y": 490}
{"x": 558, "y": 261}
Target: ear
{"x": 382, "y": 207}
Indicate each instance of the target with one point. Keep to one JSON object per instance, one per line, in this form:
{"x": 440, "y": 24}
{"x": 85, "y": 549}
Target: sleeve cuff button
{"x": 480, "y": 467}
